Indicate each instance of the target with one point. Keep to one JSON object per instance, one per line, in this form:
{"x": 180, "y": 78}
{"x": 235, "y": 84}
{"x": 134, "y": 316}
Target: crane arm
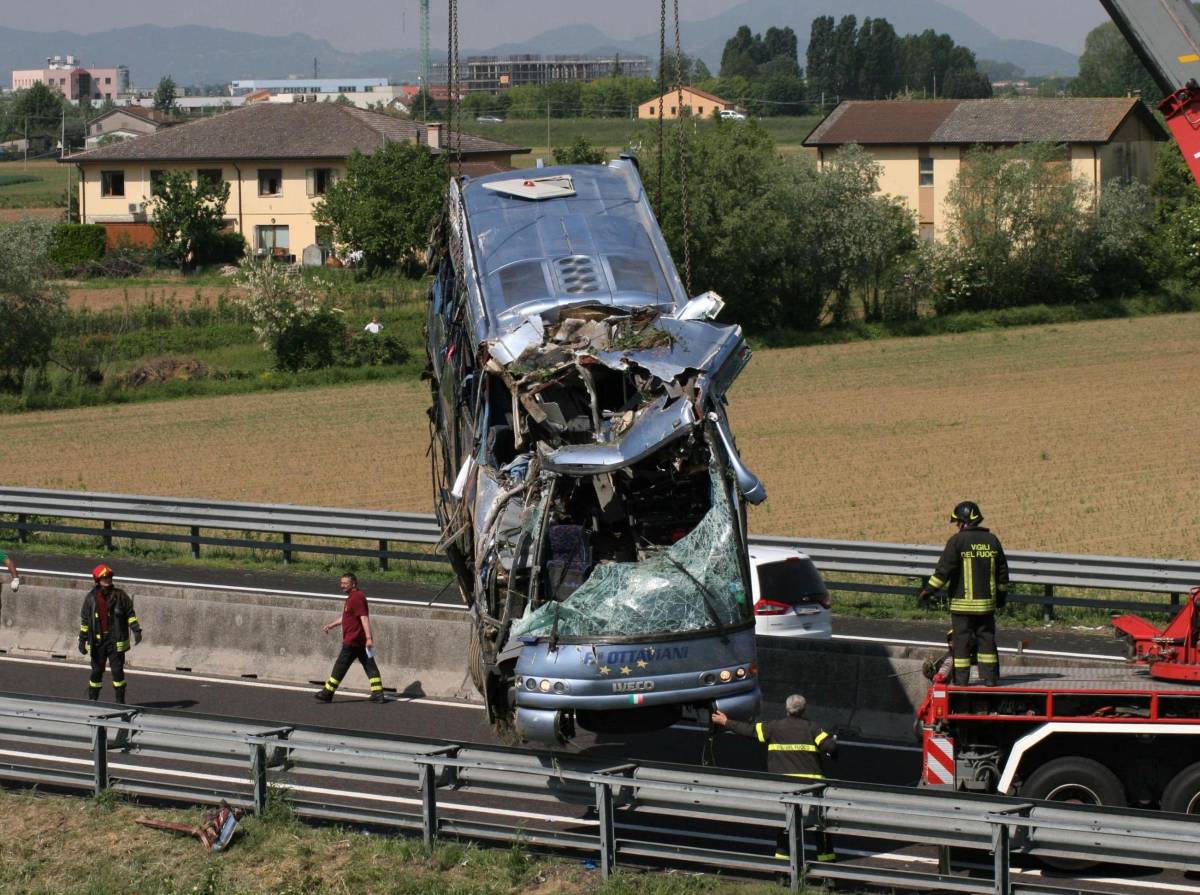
{"x": 1165, "y": 34}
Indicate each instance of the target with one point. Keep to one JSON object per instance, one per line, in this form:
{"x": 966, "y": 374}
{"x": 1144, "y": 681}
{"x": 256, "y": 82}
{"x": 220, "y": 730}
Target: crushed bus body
{"x": 590, "y": 495}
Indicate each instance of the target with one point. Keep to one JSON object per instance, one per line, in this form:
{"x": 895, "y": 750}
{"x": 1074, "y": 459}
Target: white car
{"x": 732, "y": 114}
{"x": 790, "y": 597}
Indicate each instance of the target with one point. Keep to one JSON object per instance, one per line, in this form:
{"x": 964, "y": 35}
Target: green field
{"x": 616, "y": 134}
{"x": 38, "y": 184}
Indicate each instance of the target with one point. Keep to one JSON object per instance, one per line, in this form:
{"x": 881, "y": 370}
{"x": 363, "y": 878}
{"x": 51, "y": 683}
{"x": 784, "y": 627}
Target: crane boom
{"x": 1165, "y": 34}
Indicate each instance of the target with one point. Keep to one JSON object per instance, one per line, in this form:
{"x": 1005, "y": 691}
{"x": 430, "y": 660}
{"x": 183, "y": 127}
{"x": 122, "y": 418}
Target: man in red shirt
{"x": 357, "y": 642}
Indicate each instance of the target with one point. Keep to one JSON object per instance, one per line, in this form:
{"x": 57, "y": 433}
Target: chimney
{"x": 433, "y": 135}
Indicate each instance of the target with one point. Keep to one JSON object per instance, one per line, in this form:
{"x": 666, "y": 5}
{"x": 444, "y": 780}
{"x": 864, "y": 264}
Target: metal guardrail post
{"x": 107, "y": 536}
{"x": 258, "y": 775}
{"x": 287, "y": 554}
{"x": 1001, "y": 855}
{"x": 797, "y": 864}
{"x": 429, "y": 821}
{"x": 195, "y": 543}
{"x": 383, "y": 560}
{"x": 608, "y": 833}
{"x": 22, "y": 533}
{"x": 1048, "y": 606}
{"x": 99, "y": 759}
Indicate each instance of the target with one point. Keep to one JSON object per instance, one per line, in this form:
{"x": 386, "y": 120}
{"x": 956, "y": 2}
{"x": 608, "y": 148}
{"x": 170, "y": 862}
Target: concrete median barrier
{"x": 231, "y": 634}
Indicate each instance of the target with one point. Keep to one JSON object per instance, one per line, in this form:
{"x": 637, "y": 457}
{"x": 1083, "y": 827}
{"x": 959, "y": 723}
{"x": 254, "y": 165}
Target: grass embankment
{"x": 38, "y": 183}
{"x": 194, "y": 339}
{"x": 65, "y": 846}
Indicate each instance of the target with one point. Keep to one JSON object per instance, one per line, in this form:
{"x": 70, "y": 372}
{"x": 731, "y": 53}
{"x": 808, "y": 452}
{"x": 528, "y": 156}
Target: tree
{"x": 290, "y": 318}
{"x": 581, "y": 152}
{"x": 741, "y": 55}
{"x": 187, "y": 216}
{"x": 878, "y": 51}
{"x": 39, "y": 109}
{"x": 164, "y": 96}
{"x": 819, "y": 61}
{"x": 1109, "y": 67}
{"x": 386, "y": 203}
{"x": 30, "y": 308}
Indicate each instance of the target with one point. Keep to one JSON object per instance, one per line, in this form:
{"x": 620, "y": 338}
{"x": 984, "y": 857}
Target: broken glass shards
{"x": 695, "y": 584}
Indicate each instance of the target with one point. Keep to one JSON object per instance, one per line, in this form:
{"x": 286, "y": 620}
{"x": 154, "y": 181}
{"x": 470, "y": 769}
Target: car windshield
{"x": 790, "y": 581}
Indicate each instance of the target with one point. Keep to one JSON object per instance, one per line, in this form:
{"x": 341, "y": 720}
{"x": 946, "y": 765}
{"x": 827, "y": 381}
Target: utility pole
{"x": 315, "y": 75}
{"x": 62, "y": 140}
{"x": 547, "y": 130}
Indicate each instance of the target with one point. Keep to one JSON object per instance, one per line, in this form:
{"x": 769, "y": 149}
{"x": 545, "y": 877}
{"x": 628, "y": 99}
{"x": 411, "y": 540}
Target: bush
{"x": 75, "y": 245}
{"x": 374, "y": 350}
{"x": 221, "y": 248}
{"x": 310, "y": 341}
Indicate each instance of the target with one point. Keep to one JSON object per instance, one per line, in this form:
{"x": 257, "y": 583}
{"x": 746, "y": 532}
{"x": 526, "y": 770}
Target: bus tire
{"x": 1182, "y": 794}
{"x": 475, "y": 659}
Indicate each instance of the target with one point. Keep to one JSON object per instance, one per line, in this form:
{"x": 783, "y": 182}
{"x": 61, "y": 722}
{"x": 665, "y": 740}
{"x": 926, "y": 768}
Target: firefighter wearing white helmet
{"x": 974, "y": 569}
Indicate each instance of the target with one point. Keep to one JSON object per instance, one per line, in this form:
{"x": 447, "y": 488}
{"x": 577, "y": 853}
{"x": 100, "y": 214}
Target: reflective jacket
{"x": 121, "y": 619}
{"x": 794, "y": 745}
{"x": 975, "y": 569}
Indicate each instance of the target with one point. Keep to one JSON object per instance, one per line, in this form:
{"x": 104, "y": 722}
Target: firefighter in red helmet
{"x": 105, "y": 623}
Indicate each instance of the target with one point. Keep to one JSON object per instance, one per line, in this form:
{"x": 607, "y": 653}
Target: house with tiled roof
{"x": 920, "y": 145}
{"x": 698, "y": 102}
{"x": 127, "y": 123}
{"x": 279, "y": 159}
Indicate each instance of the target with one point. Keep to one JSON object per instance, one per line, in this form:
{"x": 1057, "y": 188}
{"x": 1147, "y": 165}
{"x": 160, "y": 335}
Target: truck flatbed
{"x": 1113, "y": 678}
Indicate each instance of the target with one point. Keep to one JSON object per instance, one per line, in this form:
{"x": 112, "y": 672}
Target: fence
{"x": 642, "y": 812}
{"x": 120, "y": 515}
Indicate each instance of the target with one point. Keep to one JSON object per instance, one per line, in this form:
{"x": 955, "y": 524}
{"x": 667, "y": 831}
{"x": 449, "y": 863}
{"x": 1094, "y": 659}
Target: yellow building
{"x": 699, "y": 102}
{"x": 278, "y": 159}
{"x": 920, "y": 144}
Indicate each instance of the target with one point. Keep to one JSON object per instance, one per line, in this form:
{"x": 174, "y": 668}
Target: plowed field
{"x": 1078, "y": 438}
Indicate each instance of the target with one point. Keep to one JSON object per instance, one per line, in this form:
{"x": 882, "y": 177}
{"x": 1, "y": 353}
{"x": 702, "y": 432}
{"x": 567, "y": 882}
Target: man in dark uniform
{"x": 975, "y": 570}
{"x": 357, "y": 643}
{"x": 105, "y": 621}
{"x": 794, "y": 748}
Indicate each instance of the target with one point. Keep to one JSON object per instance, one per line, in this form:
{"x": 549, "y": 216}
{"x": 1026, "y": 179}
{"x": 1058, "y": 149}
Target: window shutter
{"x": 310, "y": 176}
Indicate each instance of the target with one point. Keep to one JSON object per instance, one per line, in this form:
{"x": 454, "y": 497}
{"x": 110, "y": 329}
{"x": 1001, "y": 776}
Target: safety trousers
{"x": 342, "y": 664}
{"x": 979, "y": 630}
{"x": 102, "y": 653}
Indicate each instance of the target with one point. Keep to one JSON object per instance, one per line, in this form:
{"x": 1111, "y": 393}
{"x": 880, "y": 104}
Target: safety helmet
{"x": 101, "y": 571}
{"x": 967, "y": 512}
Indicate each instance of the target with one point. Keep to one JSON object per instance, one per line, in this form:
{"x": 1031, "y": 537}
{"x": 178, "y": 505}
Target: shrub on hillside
{"x": 74, "y": 246}
{"x": 373, "y": 350}
{"x": 290, "y": 318}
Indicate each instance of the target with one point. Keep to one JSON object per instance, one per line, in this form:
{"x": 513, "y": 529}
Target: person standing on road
{"x": 975, "y": 570}
{"x": 105, "y": 621}
{"x": 795, "y": 747}
{"x": 357, "y": 643}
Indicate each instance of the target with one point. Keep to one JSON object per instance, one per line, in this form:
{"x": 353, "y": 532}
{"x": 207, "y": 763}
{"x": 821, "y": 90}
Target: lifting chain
{"x": 662, "y": 98}
{"x": 452, "y": 86}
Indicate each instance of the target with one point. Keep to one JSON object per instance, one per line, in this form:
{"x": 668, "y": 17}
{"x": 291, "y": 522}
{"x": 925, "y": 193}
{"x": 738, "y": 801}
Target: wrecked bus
{"x": 590, "y": 496}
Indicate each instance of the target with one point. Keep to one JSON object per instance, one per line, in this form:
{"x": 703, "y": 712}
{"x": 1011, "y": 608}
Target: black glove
{"x": 137, "y": 636}
{"x": 1001, "y": 598}
{"x": 923, "y": 598}
{"x": 82, "y": 647}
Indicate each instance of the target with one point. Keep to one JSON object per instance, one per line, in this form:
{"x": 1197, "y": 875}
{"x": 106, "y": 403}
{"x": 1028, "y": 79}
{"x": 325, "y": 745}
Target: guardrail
{"x": 127, "y": 516}
{"x": 641, "y": 811}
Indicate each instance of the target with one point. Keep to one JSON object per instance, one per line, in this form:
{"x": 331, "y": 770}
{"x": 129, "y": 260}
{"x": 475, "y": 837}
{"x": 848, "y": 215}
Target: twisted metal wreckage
{"x": 586, "y": 480}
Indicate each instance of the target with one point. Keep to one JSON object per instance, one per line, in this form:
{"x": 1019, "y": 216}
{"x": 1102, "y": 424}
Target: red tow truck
{"x": 1122, "y": 735}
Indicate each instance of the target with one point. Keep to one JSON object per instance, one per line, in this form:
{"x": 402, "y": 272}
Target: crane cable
{"x": 452, "y": 87}
{"x": 683, "y": 160}
{"x": 662, "y": 98}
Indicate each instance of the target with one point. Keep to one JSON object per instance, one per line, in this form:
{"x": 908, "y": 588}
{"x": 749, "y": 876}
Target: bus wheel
{"x": 1079, "y": 781}
{"x": 1183, "y": 792}
{"x": 475, "y": 658}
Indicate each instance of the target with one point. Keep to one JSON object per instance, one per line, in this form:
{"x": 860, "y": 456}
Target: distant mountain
{"x": 194, "y": 54}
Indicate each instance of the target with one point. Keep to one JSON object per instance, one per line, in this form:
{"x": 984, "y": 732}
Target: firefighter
{"x": 105, "y": 621}
{"x": 975, "y": 570}
{"x": 795, "y": 746}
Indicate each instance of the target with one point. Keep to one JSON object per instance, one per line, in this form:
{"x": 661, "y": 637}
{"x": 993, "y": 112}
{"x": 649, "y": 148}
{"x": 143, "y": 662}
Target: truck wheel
{"x": 1080, "y": 781}
{"x": 1183, "y": 792}
{"x": 475, "y": 659}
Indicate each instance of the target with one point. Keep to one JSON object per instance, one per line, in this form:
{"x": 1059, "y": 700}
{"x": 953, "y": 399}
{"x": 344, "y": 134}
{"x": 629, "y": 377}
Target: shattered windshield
{"x": 695, "y": 584}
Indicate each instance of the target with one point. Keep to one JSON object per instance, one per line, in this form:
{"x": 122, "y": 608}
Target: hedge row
{"x": 74, "y": 244}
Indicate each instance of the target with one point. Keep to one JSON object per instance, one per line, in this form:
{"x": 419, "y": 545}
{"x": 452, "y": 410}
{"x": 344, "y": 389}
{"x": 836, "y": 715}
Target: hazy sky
{"x": 392, "y": 24}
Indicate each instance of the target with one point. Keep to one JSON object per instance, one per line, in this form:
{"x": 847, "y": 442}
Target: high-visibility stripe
{"x": 988, "y": 658}
{"x": 375, "y": 680}
{"x": 807, "y": 776}
{"x": 96, "y": 684}
{"x": 968, "y": 578}
{"x": 120, "y": 683}
{"x": 939, "y": 760}
{"x": 821, "y": 737}
{"x": 122, "y": 645}
{"x": 132, "y": 619}
{"x": 333, "y": 680}
{"x": 962, "y": 663}
{"x": 376, "y": 688}
{"x": 935, "y": 582}
{"x": 758, "y": 729}
{"x": 83, "y": 629}
{"x": 1189, "y": 57}
{"x": 791, "y": 747}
